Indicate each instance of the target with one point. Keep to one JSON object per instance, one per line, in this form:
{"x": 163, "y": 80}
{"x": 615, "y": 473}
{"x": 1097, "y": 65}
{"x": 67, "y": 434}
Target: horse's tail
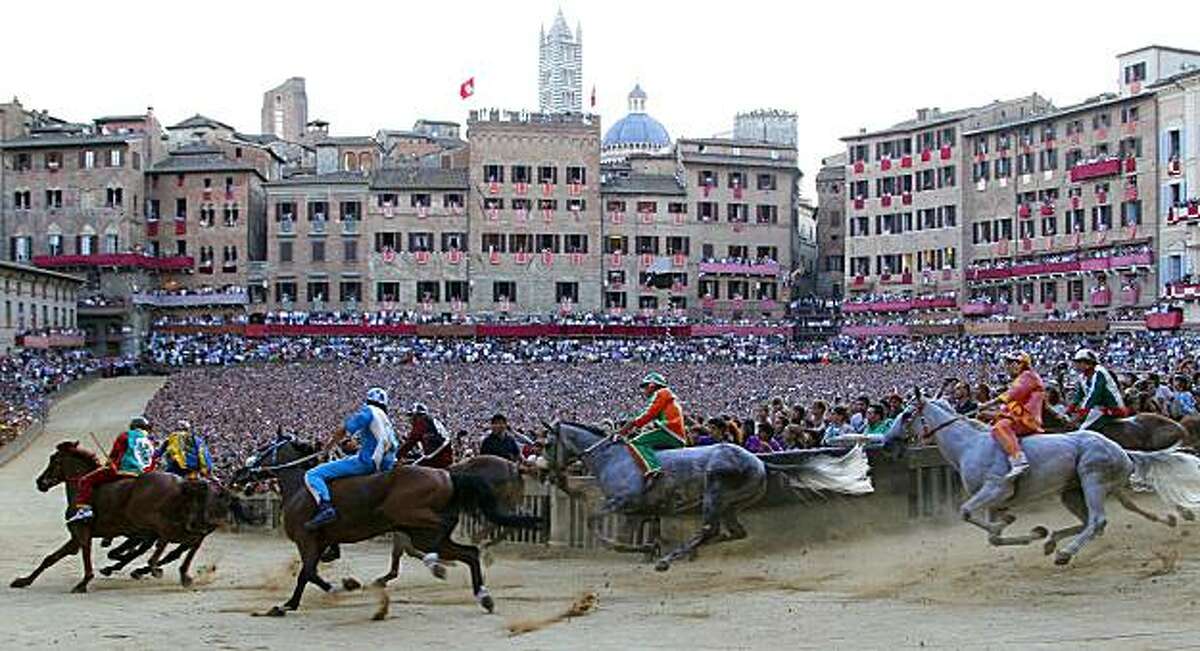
{"x": 1173, "y": 474}
{"x": 472, "y": 492}
{"x": 847, "y": 473}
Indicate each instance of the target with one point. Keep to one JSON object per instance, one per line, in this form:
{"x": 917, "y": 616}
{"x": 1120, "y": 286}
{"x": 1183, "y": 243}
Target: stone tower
{"x": 285, "y": 110}
{"x": 560, "y": 68}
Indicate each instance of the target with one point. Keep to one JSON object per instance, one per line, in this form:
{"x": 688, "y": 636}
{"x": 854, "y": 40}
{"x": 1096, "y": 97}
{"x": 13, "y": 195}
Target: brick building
{"x": 831, "y": 221}
{"x": 36, "y": 300}
{"x": 285, "y": 110}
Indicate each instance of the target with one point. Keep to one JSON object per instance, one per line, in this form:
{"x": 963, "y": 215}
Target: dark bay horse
{"x": 423, "y": 503}
{"x": 155, "y": 505}
{"x": 509, "y": 486}
{"x": 1144, "y": 432}
{"x": 721, "y": 479}
{"x": 1083, "y": 469}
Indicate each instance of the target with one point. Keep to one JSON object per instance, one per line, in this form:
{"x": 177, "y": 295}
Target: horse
{"x": 1083, "y": 468}
{"x": 1143, "y": 432}
{"x": 149, "y": 505}
{"x": 422, "y": 502}
{"x": 723, "y": 479}
{"x": 509, "y": 486}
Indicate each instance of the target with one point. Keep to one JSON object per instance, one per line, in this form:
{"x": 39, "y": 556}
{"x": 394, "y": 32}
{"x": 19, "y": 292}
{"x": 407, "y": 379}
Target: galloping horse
{"x": 154, "y": 504}
{"x": 1144, "y": 432}
{"x": 1083, "y": 469}
{"x": 722, "y": 479}
{"x": 422, "y": 502}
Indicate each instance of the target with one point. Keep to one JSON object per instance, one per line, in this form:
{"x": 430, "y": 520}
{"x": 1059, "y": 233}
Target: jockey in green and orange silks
{"x": 667, "y": 430}
{"x": 1020, "y": 411}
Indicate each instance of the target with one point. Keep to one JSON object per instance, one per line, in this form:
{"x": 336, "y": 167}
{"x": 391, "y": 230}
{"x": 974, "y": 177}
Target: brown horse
{"x": 154, "y": 504}
{"x": 509, "y": 486}
{"x": 422, "y": 502}
{"x": 1144, "y": 432}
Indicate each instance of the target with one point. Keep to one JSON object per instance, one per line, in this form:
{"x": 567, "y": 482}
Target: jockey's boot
{"x": 81, "y": 514}
{"x": 324, "y": 515}
{"x": 1019, "y": 465}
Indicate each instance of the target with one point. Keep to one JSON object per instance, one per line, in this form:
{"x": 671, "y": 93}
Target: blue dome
{"x": 637, "y": 129}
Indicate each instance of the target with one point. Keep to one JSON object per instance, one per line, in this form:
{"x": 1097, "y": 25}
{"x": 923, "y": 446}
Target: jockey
{"x": 1020, "y": 412}
{"x": 376, "y": 438}
{"x": 667, "y": 432}
{"x": 132, "y": 455}
{"x": 431, "y": 435}
{"x": 1097, "y": 396}
{"x": 186, "y": 453}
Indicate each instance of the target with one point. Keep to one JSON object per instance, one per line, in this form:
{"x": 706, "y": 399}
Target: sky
{"x": 372, "y": 65}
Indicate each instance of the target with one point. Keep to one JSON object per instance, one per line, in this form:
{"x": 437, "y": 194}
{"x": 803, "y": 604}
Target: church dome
{"x": 637, "y": 130}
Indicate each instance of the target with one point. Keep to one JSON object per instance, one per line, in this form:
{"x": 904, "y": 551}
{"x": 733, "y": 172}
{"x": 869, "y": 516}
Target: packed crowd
{"x": 762, "y": 393}
{"x": 29, "y": 378}
{"x": 410, "y": 317}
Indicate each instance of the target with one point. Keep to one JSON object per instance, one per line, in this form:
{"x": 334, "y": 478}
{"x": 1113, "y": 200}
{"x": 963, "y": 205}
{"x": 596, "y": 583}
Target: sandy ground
{"x": 935, "y": 587}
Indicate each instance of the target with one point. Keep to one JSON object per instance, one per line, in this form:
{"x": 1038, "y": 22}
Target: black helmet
{"x": 139, "y": 422}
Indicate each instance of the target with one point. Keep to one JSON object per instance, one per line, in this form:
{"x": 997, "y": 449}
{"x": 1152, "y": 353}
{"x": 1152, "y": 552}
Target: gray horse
{"x": 1083, "y": 468}
{"x": 722, "y": 479}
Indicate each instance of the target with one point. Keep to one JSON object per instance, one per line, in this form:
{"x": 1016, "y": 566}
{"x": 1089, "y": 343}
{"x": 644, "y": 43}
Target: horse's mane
{"x": 973, "y": 422}
{"x": 594, "y": 429}
{"x": 72, "y": 448}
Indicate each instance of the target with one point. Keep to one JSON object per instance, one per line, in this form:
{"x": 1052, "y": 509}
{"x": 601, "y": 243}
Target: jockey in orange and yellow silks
{"x": 1020, "y": 411}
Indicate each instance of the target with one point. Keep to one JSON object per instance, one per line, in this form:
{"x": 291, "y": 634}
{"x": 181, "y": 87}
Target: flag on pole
{"x": 467, "y": 88}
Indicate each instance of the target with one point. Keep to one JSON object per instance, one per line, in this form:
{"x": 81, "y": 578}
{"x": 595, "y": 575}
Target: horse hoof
{"x": 488, "y": 603}
{"x": 185, "y": 580}
{"x": 1062, "y": 558}
{"x": 22, "y": 582}
{"x": 79, "y": 589}
{"x": 139, "y": 573}
{"x": 276, "y": 611}
{"x": 350, "y": 584}
{"x": 438, "y": 571}
{"x": 1049, "y": 547}
{"x": 662, "y": 566}
{"x": 156, "y": 573}
{"x": 1039, "y": 532}
{"x": 106, "y": 571}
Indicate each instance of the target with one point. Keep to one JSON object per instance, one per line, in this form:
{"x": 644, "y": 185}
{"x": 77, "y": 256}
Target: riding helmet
{"x": 377, "y": 396}
{"x": 1086, "y": 355}
{"x": 418, "y": 408}
{"x": 653, "y": 378}
{"x": 139, "y": 422}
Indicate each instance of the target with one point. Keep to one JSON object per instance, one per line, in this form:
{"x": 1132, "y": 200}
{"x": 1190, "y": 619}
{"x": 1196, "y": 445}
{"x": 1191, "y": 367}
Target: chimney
{"x": 922, "y": 115}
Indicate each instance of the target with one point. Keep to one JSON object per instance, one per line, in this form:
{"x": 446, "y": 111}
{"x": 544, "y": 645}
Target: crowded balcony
{"x": 208, "y": 296}
{"x": 131, "y": 260}
{"x": 51, "y": 338}
{"x": 1185, "y": 211}
{"x": 1125, "y": 257}
{"x": 885, "y": 303}
{"x": 1094, "y": 169}
{"x": 740, "y": 267}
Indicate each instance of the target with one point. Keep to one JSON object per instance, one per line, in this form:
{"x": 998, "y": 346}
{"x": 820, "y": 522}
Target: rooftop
{"x": 198, "y": 120}
{"x": 330, "y": 178}
{"x": 29, "y": 269}
{"x": 346, "y": 141}
{"x": 120, "y": 118}
{"x": 1159, "y": 47}
{"x": 80, "y": 140}
{"x": 199, "y": 158}
{"x": 1086, "y": 105}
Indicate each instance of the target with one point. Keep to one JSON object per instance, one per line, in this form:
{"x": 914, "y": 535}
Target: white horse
{"x": 1083, "y": 468}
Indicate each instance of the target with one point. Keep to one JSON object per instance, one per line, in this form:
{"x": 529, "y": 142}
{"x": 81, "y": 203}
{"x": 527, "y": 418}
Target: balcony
{"x": 1184, "y": 292}
{"x": 1101, "y": 298}
{"x": 350, "y": 227}
{"x": 905, "y": 278}
{"x": 1171, "y": 320}
{"x": 43, "y": 341}
{"x": 740, "y": 269}
{"x": 131, "y": 260}
{"x": 1184, "y": 213}
{"x": 189, "y": 300}
{"x": 180, "y": 227}
{"x": 1098, "y": 169}
{"x": 984, "y": 309}
{"x": 319, "y": 227}
{"x": 905, "y": 305}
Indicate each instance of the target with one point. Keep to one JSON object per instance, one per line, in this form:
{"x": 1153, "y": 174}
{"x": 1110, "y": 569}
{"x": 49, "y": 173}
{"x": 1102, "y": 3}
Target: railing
{"x": 190, "y": 300}
{"x": 904, "y": 305}
{"x": 1171, "y": 320}
{"x": 746, "y": 269}
{"x": 51, "y": 341}
{"x": 1098, "y": 169}
{"x": 1046, "y": 268}
{"x": 499, "y": 330}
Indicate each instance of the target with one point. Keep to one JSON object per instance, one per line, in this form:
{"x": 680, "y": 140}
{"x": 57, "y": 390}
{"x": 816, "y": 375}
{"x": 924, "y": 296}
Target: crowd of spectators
{"x": 28, "y": 379}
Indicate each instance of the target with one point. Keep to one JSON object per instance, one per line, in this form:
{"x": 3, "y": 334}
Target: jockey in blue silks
{"x": 372, "y": 429}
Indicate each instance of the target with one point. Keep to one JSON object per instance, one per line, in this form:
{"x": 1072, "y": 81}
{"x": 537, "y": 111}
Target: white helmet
{"x": 418, "y": 408}
{"x": 1086, "y": 355}
{"x": 378, "y": 396}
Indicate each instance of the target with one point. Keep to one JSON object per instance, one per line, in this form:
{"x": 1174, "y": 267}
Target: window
{"x": 457, "y": 290}
{"x": 1025, "y": 163}
{"x": 116, "y": 158}
{"x": 767, "y": 253}
{"x": 54, "y": 244}
{"x": 1129, "y": 114}
{"x": 87, "y": 159}
{"x": 646, "y": 244}
{"x": 576, "y": 175}
{"x": 925, "y": 180}
{"x": 947, "y": 177}
{"x": 860, "y": 226}
{"x": 615, "y": 300}
{"x": 1025, "y": 229}
{"x": 1049, "y": 226}
{"x": 1173, "y": 144}
{"x": 493, "y": 242}
{"x": 566, "y": 292}
{"x": 576, "y": 205}
{"x": 112, "y": 243}
{"x": 575, "y": 243}
{"x": 616, "y": 244}
{"x": 452, "y": 200}
{"x": 1048, "y": 159}
{"x": 1101, "y": 218}
{"x": 1049, "y": 292}
{"x": 738, "y": 252}
{"x": 454, "y": 241}
{"x": 765, "y": 182}
{"x": 736, "y": 180}
{"x": 428, "y": 291}
{"x": 1075, "y": 290}
{"x": 318, "y": 211}
{"x": 737, "y": 213}
{"x": 766, "y": 214}
{"x": 420, "y": 242}
{"x": 547, "y": 242}
{"x": 285, "y": 252}
{"x": 1075, "y": 221}
{"x": 706, "y": 211}
{"x": 53, "y": 160}
{"x": 648, "y": 302}
{"x": 547, "y": 174}
{"x": 948, "y": 216}
{"x": 285, "y": 291}
{"x": 1135, "y": 72}
{"x": 85, "y": 244}
{"x": 521, "y": 173}
{"x": 20, "y": 249}
{"x": 738, "y": 289}
{"x": 980, "y": 171}
{"x": 350, "y": 251}
{"x": 351, "y": 211}
{"x": 1101, "y": 120}
{"x": 114, "y": 198}
{"x": 54, "y": 199}
{"x": 678, "y": 245}
{"x": 350, "y": 292}
{"x": 387, "y": 200}
{"x": 677, "y": 208}
{"x": 706, "y": 178}
{"x": 388, "y": 292}
{"x": 1131, "y": 213}
{"x": 1130, "y": 148}
{"x": 285, "y": 211}
{"x": 1003, "y": 168}
{"x": 520, "y": 243}
{"x": 22, "y": 200}
{"x": 504, "y": 291}
{"x": 318, "y": 251}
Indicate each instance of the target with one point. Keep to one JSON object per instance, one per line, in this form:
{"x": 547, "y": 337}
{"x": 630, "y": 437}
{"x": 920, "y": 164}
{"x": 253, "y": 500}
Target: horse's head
{"x": 66, "y": 463}
{"x": 566, "y": 443}
{"x": 920, "y": 419}
{"x": 281, "y": 452}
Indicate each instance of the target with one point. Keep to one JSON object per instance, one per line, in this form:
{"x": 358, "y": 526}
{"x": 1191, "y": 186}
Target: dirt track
{"x": 940, "y": 587}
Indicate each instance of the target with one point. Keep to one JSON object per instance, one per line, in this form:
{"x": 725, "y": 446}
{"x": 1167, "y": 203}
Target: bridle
{"x": 558, "y": 470}
{"x": 273, "y": 450}
{"x": 928, "y": 433}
